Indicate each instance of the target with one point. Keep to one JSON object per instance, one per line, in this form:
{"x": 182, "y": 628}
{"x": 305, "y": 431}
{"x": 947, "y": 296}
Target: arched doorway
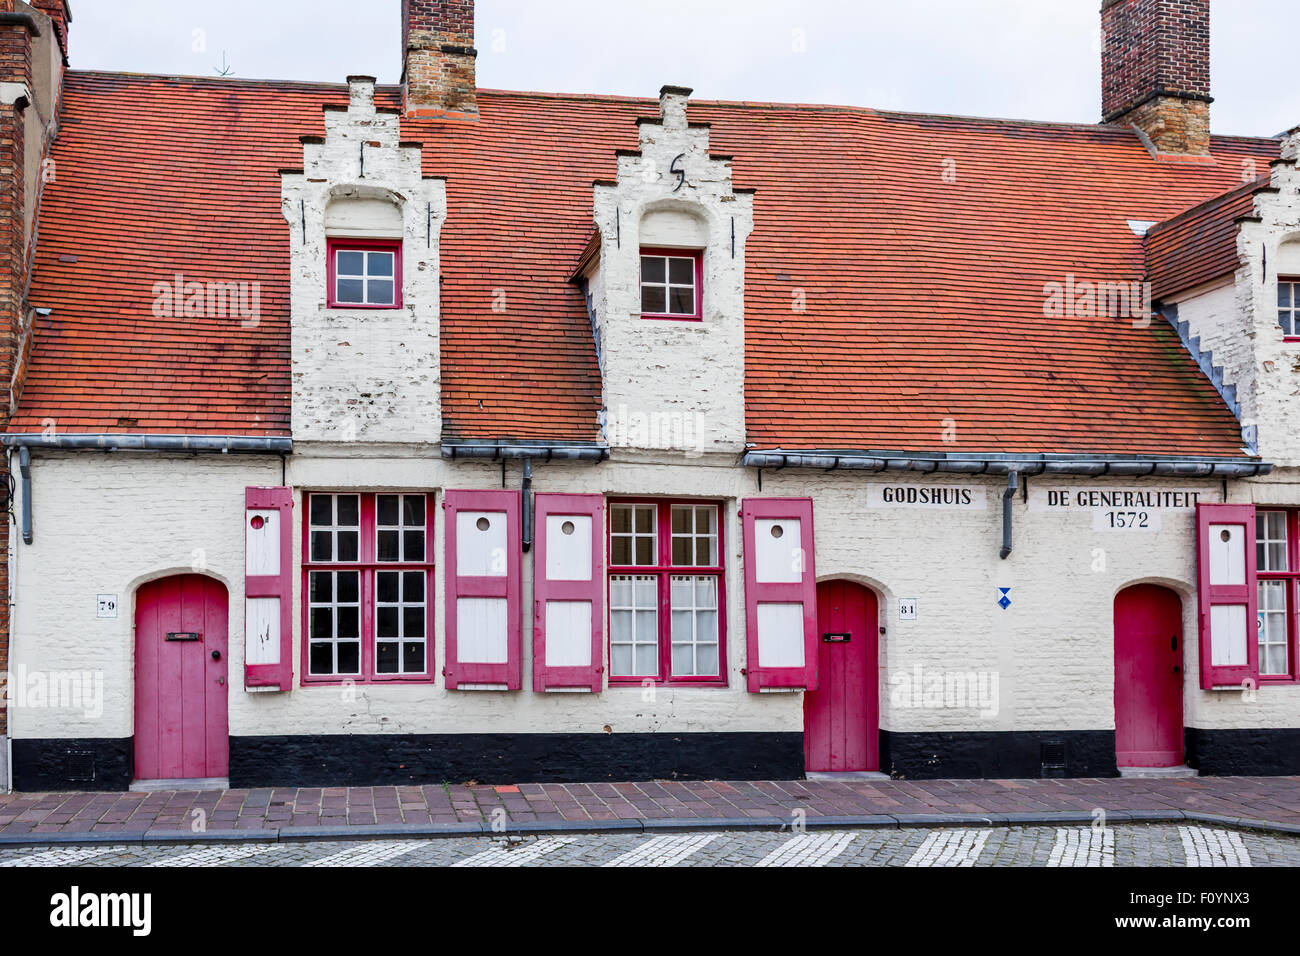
{"x": 1148, "y": 677}
{"x": 841, "y": 719}
{"x": 181, "y": 724}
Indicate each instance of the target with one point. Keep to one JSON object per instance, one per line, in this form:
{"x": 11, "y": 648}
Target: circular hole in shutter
{"x": 567, "y": 527}
{"x": 258, "y": 522}
{"x": 1225, "y": 535}
{"x": 482, "y": 524}
{"x": 777, "y": 531}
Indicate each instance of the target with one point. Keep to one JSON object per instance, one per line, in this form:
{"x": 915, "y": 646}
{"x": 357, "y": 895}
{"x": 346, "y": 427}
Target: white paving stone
{"x": 379, "y": 853}
{"x": 502, "y": 856}
{"x": 1206, "y": 847}
{"x": 808, "y": 849}
{"x": 950, "y": 848}
{"x": 1083, "y": 846}
{"x": 664, "y": 850}
{"x": 219, "y": 855}
{"x": 64, "y": 856}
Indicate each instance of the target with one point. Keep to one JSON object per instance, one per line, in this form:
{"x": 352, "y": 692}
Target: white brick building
{"x": 443, "y": 434}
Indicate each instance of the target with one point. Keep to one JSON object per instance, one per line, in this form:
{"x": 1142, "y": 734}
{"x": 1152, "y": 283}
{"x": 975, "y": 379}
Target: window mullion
{"x": 664, "y": 516}
{"x": 1292, "y": 584}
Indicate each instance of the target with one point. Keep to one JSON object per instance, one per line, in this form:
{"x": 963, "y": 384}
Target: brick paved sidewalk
{"x": 366, "y": 811}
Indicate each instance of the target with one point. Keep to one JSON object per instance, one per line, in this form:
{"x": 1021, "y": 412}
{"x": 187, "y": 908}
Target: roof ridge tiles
{"x": 652, "y": 103}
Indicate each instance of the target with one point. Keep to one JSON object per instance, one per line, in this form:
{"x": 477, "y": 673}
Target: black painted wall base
{"x": 388, "y": 759}
{"x": 385, "y": 760}
{"x": 88, "y": 763}
{"x": 998, "y": 754}
{"x": 1248, "y": 753}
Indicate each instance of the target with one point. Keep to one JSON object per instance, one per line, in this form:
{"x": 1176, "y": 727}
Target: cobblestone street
{"x": 1258, "y": 802}
{"x": 1123, "y": 846}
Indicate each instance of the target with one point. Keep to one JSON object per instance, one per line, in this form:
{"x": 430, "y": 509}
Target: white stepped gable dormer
{"x": 1268, "y": 243}
{"x": 364, "y": 373}
{"x": 674, "y": 382}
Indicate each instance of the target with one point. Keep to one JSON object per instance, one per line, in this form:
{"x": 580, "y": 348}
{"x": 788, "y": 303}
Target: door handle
{"x": 216, "y": 655}
{"x": 1173, "y": 643}
{"x": 1177, "y": 669}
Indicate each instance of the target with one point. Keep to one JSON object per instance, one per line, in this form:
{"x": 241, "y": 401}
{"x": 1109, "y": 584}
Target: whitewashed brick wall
{"x": 690, "y": 375}
{"x": 359, "y": 374}
{"x": 106, "y": 524}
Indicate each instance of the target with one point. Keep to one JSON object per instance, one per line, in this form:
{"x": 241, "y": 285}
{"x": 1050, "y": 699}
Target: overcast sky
{"x": 1030, "y": 59}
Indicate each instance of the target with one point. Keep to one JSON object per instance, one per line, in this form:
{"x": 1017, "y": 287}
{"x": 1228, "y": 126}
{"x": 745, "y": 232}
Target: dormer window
{"x": 671, "y": 284}
{"x": 365, "y": 273}
{"x": 1288, "y": 306}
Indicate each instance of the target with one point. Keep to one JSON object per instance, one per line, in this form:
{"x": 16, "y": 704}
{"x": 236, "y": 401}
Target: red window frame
{"x": 334, "y": 246}
{"x": 698, "y": 256}
{"x": 664, "y": 570}
{"x": 1293, "y": 308}
{"x": 367, "y": 565}
{"x": 1292, "y": 579}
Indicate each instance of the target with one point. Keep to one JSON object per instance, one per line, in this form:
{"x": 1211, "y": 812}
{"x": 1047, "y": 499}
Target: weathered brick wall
{"x": 438, "y": 56}
{"x": 1155, "y": 47}
{"x": 1269, "y": 247}
{"x": 15, "y": 78}
{"x": 33, "y": 48}
{"x": 1174, "y": 125}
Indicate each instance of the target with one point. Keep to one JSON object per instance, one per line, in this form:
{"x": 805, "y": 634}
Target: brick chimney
{"x": 1155, "y": 66}
{"x": 438, "y": 58}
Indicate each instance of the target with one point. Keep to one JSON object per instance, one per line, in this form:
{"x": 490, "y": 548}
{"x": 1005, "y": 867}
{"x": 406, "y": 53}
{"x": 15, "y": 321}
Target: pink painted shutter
{"x": 568, "y": 592}
{"x": 780, "y": 593}
{"x": 1225, "y": 577}
{"x": 268, "y": 588}
{"x": 483, "y": 590}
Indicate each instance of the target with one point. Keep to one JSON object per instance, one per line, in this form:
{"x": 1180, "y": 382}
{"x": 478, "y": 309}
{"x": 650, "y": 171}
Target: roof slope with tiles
{"x": 1199, "y": 245}
{"x": 921, "y": 246}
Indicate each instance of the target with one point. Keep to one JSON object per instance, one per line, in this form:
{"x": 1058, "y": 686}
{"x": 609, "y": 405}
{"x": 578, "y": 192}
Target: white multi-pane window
{"x": 1277, "y": 583}
{"x": 665, "y": 592}
{"x": 633, "y": 625}
{"x": 695, "y": 625}
{"x": 335, "y": 529}
{"x": 367, "y": 571}
{"x": 334, "y": 623}
{"x": 695, "y": 535}
{"x": 670, "y": 284}
{"x": 400, "y": 622}
{"x": 364, "y": 274}
{"x": 400, "y": 527}
{"x": 634, "y": 535}
{"x": 1288, "y": 306}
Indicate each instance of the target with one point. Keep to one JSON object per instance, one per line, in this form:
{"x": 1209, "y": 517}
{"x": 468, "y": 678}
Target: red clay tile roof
{"x": 1199, "y": 245}
{"x": 924, "y": 292}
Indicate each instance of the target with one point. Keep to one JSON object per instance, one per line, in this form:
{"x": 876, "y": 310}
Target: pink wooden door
{"x": 1148, "y": 677}
{"x": 181, "y": 729}
{"x": 841, "y": 719}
